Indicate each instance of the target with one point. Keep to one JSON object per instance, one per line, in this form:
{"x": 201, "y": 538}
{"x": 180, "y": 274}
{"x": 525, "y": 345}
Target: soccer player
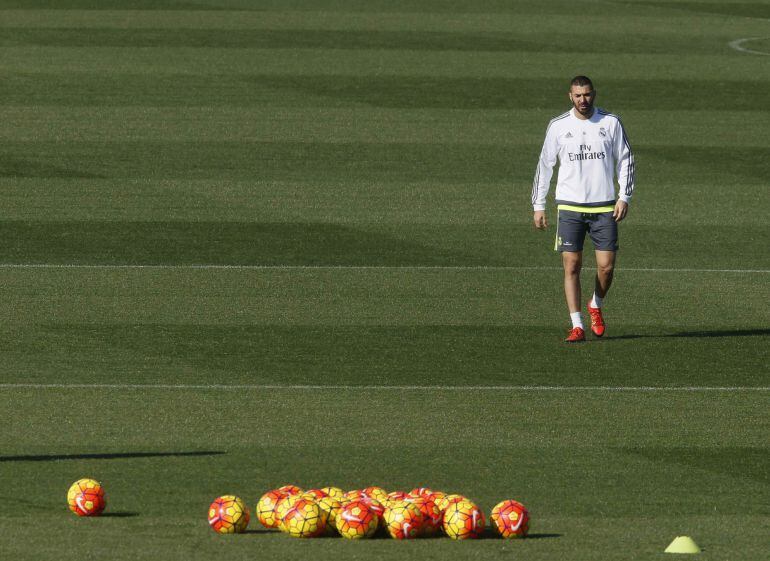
{"x": 591, "y": 147}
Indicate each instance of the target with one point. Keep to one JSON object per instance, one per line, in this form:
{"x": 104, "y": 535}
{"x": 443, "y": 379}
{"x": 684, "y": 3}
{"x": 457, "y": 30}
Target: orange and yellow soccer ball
{"x": 432, "y": 516}
{"x": 266, "y": 508}
{"x": 314, "y": 494}
{"x": 403, "y": 520}
{"x": 304, "y": 520}
{"x": 395, "y": 497}
{"x": 375, "y": 506}
{"x": 330, "y": 508}
{"x": 510, "y": 519}
{"x": 443, "y": 502}
{"x": 353, "y": 495}
{"x": 376, "y": 493}
{"x": 436, "y": 497}
{"x": 282, "y": 507}
{"x": 335, "y": 492}
{"x": 291, "y": 489}
{"x": 463, "y": 520}
{"x": 420, "y": 492}
{"x": 228, "y": 515}
{"x": 85, "y": 497}
{"x": 356, "y": 520}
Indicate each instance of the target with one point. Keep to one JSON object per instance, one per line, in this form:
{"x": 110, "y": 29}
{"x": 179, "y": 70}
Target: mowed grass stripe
{"x": 730, "y": 66}
{"x": 496, "y": 209}
{"x": 260, "y": 387}
{"x": 522, "y": 129}
{"x": 665, "y": 18}
{"x": 117, "y": 88}
{"x": 361, "y": 267}
{"x": 307, "y": 243}
{"x": 520, "y": 40}
{"x": 392, "y": 161}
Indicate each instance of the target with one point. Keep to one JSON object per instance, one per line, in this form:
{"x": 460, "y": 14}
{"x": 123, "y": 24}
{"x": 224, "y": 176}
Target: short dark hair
{"x": 581, "y": 81}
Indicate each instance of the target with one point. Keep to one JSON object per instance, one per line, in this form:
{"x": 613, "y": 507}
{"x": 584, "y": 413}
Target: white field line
{"x": 360, "y": 268}
{"x": 738, "y": 46}
{"x": 301, "y": 387}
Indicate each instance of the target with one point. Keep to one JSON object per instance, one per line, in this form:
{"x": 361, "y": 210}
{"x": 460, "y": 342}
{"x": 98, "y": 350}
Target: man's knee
{"x": 605, "y": 269}
{"x": 572, "y": 263}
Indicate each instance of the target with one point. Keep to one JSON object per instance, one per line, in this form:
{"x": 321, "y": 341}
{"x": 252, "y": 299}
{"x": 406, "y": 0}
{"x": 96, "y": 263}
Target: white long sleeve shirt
{"x": 590, "y": 152}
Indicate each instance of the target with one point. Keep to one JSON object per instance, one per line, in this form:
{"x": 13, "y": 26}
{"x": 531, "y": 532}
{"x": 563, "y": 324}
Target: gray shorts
{"x": 572, "y": 227}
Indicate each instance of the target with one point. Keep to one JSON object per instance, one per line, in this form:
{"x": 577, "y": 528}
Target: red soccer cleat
{"x": 576, "y": 335}
{"x": 597, "y": 322}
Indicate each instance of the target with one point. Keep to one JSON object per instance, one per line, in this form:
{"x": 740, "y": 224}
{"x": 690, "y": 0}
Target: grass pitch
{"x": 359, "y": 173}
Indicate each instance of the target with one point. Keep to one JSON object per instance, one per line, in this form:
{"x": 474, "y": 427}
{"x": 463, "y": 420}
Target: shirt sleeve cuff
{"x": 625, "y": 198}
{"x": 538, "y": 207}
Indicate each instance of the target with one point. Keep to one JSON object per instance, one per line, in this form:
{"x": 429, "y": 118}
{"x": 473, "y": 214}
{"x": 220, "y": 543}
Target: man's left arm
{"x": 625, "y": 170}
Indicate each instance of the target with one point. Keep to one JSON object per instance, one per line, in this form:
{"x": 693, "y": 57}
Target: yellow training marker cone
{"x": 683, "y": 544}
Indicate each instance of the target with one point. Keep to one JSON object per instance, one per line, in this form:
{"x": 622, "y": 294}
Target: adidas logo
{"x": 568, "y": 135}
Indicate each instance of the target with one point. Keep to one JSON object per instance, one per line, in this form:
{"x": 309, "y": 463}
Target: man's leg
{"x": 572, "y": 262}
{"x": 605, "y": 266}
{"x": 570, "y": 236}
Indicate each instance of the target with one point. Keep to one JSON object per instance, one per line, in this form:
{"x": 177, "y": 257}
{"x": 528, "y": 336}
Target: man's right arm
{"x": 543, "y": 174}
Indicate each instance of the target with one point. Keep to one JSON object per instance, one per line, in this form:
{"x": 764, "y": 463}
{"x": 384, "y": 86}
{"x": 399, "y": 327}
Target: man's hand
{"x": 540, "y": 221}
{"x": 621, "y": 209}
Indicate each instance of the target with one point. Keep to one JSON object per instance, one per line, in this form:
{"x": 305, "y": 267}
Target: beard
{"x": 586, "y": 110}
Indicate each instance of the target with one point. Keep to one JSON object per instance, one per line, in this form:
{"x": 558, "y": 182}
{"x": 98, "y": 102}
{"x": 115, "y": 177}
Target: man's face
{"x": 582, "y": 98}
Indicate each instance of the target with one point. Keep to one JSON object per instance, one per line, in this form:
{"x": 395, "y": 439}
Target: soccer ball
{"x": 432, "y": 517}
{"x": 85, "y": 497}
{"x": 228, "y": 515}
{"x": 403, "y": 520}
{"x": 354, "y": 495}
{"x": 291, "y": 489}
{"x": 356, "y": 520}
{"x": 304, "y": 520}
{"x": 266, "y": 508}
{"x": 463, "y": 520}
{"x": 376, "y": 493}
{"x": 330, "y": 508}
{"x": 335, "y": 492}
{"x": 443, "y": 502}
{"x": 375, "y": 506}
{"x": 395, "y": 497}
{"x": 283, "y": 506}
{"x": 510, "y": 519}
{"x": 436, "y": 496}
{"x": 420, "y": 492}
{"x": 314, "y": 494}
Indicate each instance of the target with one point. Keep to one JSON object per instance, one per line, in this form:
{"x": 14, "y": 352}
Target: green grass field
{"x": 308, "y": 223}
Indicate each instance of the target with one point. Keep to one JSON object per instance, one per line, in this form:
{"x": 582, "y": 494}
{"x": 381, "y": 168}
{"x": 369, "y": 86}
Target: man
{"x": 591, "y": 147}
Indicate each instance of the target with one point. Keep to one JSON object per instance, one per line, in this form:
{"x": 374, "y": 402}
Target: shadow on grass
{"x": 696, "y": 334}
{"x": 748, "y": 462}
{"x": 542, "y": 536}
{"x": 491, "y": 534}
{"x": 225, "y": 243}
{"x": 119, "y": 514}
{"x": 111, "y": 456}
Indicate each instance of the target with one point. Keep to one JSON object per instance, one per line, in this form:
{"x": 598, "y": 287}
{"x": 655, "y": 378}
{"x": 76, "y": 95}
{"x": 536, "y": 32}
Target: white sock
{"x": 596, "y": 302}
{"x": 577, "y": 321}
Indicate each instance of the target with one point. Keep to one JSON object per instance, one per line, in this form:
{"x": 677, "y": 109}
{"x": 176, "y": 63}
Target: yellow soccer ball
{"x": 304, "y": 520}
{"x": 463, "y": 520}
{"x": 228, "y": 515}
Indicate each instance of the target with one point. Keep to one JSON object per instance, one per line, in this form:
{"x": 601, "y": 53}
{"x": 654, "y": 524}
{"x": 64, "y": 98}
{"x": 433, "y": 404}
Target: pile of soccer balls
{"x": 362, "y": 513}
